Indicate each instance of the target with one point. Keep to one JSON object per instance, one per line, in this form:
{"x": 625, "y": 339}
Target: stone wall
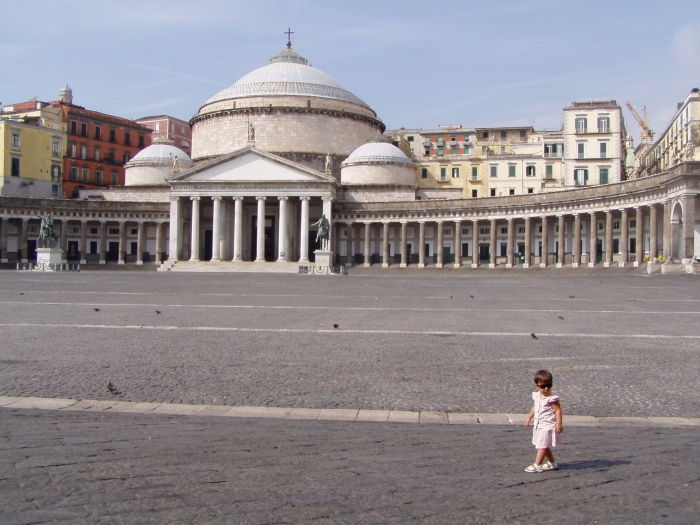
{"x": 378, "y": 194}
{"x": 145, "y": 194}
{"x": 383, "y": 174}
{"x": 150, "y": 175}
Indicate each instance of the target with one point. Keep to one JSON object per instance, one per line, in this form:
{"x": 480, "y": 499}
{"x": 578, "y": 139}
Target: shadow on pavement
{"x": 593, "y": 464}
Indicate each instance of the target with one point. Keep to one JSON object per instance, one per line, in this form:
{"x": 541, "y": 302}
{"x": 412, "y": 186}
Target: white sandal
{"x": 534, "y": 468}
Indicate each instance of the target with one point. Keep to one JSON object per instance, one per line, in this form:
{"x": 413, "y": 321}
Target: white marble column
{"x": 510, "y": 250}
{"x": 23, "y": 247}
{"x": 458, "y": 244}
{"x": 194, "y": 243}
{"x": 159, "y": 243}
{"x": 174, "y": 250}
{"x": 260, "y": 241}
{"x": 576, "y": 251}
{"x": 122, "y": 242}
{"x": 440, "y": 241}
{"x": 237, "y": 229}
{"x": 140, "y": 242}
{"x": 592, "y": 256}
{"x": 561, "y": 252}
{"x": 3, "y": 239}
{"x": 608, "y": 239}
{"x": 304, "y": 231}
{"x": 349, "y": 245}
{"x": 528, "y": 242}
{"x": 421, "y": 245}
{"x": 103, "y": 242}
{"x": 282, "y": 236}
{"x": 216, "y": 233}
{"x": 385, "y": 245}
{"x": 64, "y": 241}
{"x": 544, "y": 258}
{"x": 624, "y": 237}
{"x": 368, "y": 250}
{"x": 492, "y": 244}
{"x": 688, "y": 254}
{"x": 83, "y": 242}
{"x": 404, "y": 245}
{"x": 475, "y": 244}
{"x": 653, "y": 243}
{"x": 639, "y": 257}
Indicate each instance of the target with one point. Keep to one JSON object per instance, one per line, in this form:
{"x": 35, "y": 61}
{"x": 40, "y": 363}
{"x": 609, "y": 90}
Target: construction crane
{"x": 647, "y": 134}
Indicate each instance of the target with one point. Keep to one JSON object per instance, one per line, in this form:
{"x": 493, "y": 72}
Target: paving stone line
{"x": 332, "y": 414}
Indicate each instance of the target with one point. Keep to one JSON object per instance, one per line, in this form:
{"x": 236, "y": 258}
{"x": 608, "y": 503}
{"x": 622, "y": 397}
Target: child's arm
{"x": 529, "y": 417}
{"x": 560, "y": 417}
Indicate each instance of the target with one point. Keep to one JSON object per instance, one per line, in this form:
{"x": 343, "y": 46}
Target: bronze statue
{"x": 323, "y": 234}
{"x": 46, "y": 233}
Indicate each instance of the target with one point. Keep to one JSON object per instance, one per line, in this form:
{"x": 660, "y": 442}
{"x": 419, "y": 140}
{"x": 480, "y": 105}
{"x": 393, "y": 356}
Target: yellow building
{"x": 33, "y": 146}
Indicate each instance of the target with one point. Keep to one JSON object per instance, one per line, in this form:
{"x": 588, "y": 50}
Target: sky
{"x": 418, "y": 64}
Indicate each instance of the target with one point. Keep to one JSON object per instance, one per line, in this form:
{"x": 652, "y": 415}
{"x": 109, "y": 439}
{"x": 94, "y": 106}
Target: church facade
{"x": 287, "y": 145}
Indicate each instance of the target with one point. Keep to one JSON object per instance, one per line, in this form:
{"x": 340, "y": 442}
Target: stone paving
{"x": 627, "y": 346}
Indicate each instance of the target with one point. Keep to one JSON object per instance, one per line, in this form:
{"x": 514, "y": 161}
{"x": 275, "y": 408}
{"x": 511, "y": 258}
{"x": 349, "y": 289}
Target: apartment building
{"x": 171, "y": 128}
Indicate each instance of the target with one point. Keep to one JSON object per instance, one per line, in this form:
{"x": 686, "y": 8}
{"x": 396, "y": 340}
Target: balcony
{"x": 553, "y": 154}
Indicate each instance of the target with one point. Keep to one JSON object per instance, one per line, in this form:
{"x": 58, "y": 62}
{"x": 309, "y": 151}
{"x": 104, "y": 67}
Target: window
{"x": 73, "y": 150}
{"x": 603, "y": 150}
{"x": 14, "y": 168}
{"x": 409, "y": 138}
{"x": 97, "y": 153}
{"x": 475, "y": 172}
{"x": 98, "y": 177}
{"x": 504, "y": 135}
{"x": 55, "y": 173}
{"x": 93, "y": 231}
{"x": 74, "y": 127}
{"x": 84, "y": 129}
{"x": 439, "y": 140}
{"x": 111, "y": 155}
{"x": 511, "y": 171}
{"x": 603, "y": 124}
{"x": 493, "y": 192}
{"x": 112, "y": 135}
{"x": 467, "y": 151}
{"x": 453, "y": 151}
{"x": 503, "y": 149}
{"x": 485, "y": 134}
{"x": 484, "y": 231}
{"x": 521, "y": 229}
{"x": 475, "y": 194}
{"x": 447, "y": 232}
{"x": 114, "y": 231}
{"x": 603, "y": 175}
{"x": 616, "y": 225}
{"x": 581, "y": 125}
{"x": 511, "y": 191}
{"x": 504, "y": 231}
{"x": 523, "y": 134}
{"x": 494, "y": 171}
{"x": 157, "y": 129}
{"x": 83, "y": 152}
{"x": 504, "y": 249}
{"x": 427, "y": 140}
{"x": 424, "y": 173}
{"x": 554, "y": 150}
{"x": 15, "y": 142}
{"x": 126, "y": 157}
{"x": 530, "y": 171}
{"x": 93, "y": 247}
{"x": 85, "y": 175}
{"x": 115, "y": 178}
{"x": 549, "y": 170}
{"x": 465, "y": 231}
{"x": 98, "y": 132}
{"x": 455, "y": 173}
{"x": 581, "y": 146}
{"x": 73, "y": 175}
{"x": 439, "y": 151}
{"x": 454, "y": 138}
{"x": 443, "y": 174}
{"x": 140, "y": 141}
{"x": 134, "y": 231}
{"x": 127, "y": 138}
{"x": 54, "y": 190}
{"x": 56, "y": 148}
{"x": 531, "y": 190}
{"x": 580, "y": 177}
{"x": 633, "y": 223}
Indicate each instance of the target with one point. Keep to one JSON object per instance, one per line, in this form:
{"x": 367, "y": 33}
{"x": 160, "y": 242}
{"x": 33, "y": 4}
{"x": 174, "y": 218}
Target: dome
{"x": 163, "y": 151}
{"x": 378, "y": 150}
{"x": 287, "y": 73}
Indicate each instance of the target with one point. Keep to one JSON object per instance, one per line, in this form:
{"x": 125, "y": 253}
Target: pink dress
{"x": 544, "y": 433}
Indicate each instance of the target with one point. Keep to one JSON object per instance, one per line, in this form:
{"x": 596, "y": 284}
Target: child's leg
{"x": 549, "y": 455}
{"x": 541, "y": 452}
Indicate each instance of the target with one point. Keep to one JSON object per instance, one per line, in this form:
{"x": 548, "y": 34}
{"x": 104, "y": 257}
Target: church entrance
{"x": 269, "y": 238}
{"x": 208, "y": 244}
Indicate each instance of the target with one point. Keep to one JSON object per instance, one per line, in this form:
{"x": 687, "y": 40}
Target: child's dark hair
{"x": 543, "y": 376}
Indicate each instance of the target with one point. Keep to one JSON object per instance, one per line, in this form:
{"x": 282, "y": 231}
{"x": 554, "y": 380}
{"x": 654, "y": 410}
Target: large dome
{"x": 288, "y": 73}
{"x": 163, "y": 150}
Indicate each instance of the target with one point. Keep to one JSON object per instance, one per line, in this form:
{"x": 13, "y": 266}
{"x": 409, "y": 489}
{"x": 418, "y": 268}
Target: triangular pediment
{"x": 252, "y": 166}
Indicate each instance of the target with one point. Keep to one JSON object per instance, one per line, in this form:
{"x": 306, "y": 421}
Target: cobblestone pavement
{"x": 627, "y": 345}
{"x": 86, "y": 468}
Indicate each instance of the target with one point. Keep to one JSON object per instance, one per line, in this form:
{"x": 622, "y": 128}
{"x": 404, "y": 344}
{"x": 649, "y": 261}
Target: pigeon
{"x": 157, "y": 311}
{"x": 96, "y": 309}
{"x": 471, "y": 296}
{"x": 112, "y": 389}
{"x": 336, "y": 325}
{"x": 21, "y": 293}
{"x": 571, "y": 297}
{"x": 560, "y": 317}
{"x": 450, "y": 297}
{"x": 533, "y": 336}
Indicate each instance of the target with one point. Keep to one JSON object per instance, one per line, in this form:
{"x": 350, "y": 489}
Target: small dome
{"x": 378, "y": 150}
{"x": 287, "y": 73}
{"x": 161, "y": 151}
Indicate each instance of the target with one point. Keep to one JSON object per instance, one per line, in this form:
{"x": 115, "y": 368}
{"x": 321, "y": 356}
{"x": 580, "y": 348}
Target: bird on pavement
{"x": 450, "y": 297}
{"x": 471, "y": 296}
{"x": 112, "y": 389}
{"x": 21, "y": 293}
{"x": 533, "y": 336}
{"x": 336, "y": 325}
{"x": 157, "y": 311}
{"x": 96, "y": 309}
{"x": 571, "y": 297}
{"x": 560, "y": 317}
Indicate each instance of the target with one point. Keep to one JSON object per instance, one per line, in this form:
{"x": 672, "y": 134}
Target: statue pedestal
{"x": 46, "y": 256}
{"x": 324, "y": 258}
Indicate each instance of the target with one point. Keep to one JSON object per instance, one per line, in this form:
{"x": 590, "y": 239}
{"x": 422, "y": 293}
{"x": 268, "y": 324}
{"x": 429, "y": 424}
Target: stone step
{"x": 234, "y": 267}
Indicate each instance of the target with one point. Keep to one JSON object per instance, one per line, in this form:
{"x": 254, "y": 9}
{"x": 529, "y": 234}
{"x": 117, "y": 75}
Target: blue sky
{"x": 416, "y": 63}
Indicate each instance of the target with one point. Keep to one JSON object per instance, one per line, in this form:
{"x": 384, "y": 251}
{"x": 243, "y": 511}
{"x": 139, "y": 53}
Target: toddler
{"x": 548, "y": 423}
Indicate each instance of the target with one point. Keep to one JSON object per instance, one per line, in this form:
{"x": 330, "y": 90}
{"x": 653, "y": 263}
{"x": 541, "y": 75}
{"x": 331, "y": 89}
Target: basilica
{"x": 286, "y": 145}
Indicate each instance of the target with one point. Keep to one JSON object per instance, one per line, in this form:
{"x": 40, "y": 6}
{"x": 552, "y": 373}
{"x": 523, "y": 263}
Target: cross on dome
{"x": 289, "y": 34}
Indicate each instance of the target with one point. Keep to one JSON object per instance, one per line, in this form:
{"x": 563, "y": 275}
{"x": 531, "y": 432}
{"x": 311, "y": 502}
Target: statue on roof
{"x": 251, "y": 131}
{"x": 329, "y": 163}
{"x": 176, "y": 165}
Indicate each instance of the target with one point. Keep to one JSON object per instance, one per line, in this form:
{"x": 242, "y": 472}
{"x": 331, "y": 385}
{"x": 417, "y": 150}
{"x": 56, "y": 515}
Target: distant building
{"x": 171, "y": 128}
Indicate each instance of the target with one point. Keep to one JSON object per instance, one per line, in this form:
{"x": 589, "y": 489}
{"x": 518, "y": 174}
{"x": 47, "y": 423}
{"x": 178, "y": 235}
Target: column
{"x": 103, "y": 242}
{"x": 159, "y": 243}
{"x": 238, "y": 229}
{"x": 653, "y": 225}
{"x": 349, "y": 245}
{"x": 328, "y": 212}
{"x": 440, "y": 242}
{"x": 544, "y": 258}
{"x": 492, "y": 245}
{"x": 3, "y": 239}
{"x": 385, "y": 246}
{"x": 475, "y": 244}
{"x": 577, "y": 241}
{"x": 458, "y": 244}
{"x": 639, "y": 256}
{"x": 421, "y": 244}
{"x": 64, "y": 240}
{"x": 216, "y": 233}
{"x": 304, "y": 233}
{"x": 194, "y": 251}
{"x": 140, "y": 243}
{"x": 528, "y": 242}
{"x": 122, "y": 242}
{"x": 368, "y": 249}
{"x": 608, "y": 239}
{"x": 174, "y": 250}
{"x": 404, "y": 245}
{"x": 511, "y": 242}
{"x": 688, "y": 254}
{"x": 260, "y": 241}
{"x": 592, "y": 255}
{"x": 24, "y": 251}
{"x": 282, "y": 237}
{"x": 561, "y": 252}
{"x": 667, "y": 231}
{"x": 624, "y": 236}
{"x": 83, "y": 241}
